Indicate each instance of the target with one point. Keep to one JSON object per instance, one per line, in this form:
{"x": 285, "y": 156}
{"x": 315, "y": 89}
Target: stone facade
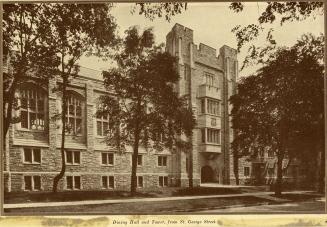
{"x": 207, "y": 79}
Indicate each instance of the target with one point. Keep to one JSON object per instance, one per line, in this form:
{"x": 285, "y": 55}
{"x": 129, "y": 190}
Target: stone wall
{"x": 194, "y": 62}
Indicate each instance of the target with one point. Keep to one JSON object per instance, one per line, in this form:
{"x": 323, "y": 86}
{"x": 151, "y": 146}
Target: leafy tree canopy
{"x": 145, "y": 100}
{"x": 281, "y": 12}
{"x": 166, "y": 9}
{"x": 144, "y": 108}
{"x": 26, "y": 55}
{"x": 281, "y": 106}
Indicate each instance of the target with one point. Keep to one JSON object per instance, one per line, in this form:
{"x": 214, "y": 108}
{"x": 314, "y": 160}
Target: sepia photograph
{"x": 198, "y": 108}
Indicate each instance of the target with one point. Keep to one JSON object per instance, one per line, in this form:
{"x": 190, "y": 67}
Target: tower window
{"x": 209, "y": 79}
{"x": 213, "y": 136}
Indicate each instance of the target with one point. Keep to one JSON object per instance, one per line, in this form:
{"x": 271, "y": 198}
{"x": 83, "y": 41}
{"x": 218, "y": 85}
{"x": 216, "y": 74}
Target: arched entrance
{"x": 207, "y": 174}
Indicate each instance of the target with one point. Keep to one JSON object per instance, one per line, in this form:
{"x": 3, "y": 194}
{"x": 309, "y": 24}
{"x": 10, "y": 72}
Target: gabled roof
{"x": 90, "y": 73}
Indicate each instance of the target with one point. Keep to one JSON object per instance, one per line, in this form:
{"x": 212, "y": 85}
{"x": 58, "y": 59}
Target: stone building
{"x": 32, "y": 156}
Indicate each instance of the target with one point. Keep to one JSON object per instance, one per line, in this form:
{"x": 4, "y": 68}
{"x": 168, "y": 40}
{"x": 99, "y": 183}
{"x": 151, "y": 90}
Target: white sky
{"x": 211, "y": 24}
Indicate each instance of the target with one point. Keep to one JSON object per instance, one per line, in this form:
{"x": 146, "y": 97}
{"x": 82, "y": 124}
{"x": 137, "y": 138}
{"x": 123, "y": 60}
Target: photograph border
{"x": 105, "y": 220}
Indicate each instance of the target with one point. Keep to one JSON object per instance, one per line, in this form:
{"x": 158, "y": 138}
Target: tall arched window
{"x": 102, "y": 122}
{"x": 74, "y": 115}
{"x": 32, "y": 106}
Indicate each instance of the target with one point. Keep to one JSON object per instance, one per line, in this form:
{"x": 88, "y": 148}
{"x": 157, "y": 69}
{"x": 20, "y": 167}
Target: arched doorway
{"x": 207, "y": 174}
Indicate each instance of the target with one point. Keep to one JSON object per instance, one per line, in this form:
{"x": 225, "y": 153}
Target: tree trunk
{"x": 134, "y": 161}
{"x": 8, "y": 115}
{"x": 6, "y": 123}
{"x": 62, "y": 149}
{"x": 235, "y": 165}
{"x": 279, "y": 183}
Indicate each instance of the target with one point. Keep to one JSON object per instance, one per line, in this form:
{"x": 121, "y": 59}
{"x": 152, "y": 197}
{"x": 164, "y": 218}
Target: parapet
{"x": 180, "y": 31}
{"x": 226, "y": 51}
{"x": 207, "y": 50}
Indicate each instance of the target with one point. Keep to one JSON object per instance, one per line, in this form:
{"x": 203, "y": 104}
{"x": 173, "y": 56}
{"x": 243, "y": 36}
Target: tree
{"x": 76, "y": 29}
{"x": 281, "y": 106}
{"x": 26, "y": 51}
{"x": 27, "y": 55}
{"x": 274, "y": 11}
{"x": 166, "y": 9}
{"x": 145, "y": 110}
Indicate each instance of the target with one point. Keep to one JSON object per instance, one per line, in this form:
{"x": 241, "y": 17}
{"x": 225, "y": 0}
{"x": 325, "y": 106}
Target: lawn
{"x": 175, "y": 206}
{"x": 32, "y": 197}
{"x": 298, "y": 197}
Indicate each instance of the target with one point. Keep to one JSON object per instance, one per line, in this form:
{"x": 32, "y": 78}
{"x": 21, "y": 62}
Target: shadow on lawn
{"x": 206, "y": 191}
{"x": 27, "y": 197}
{"x": 23, "y": 197}
{"x": 298, "y": 197}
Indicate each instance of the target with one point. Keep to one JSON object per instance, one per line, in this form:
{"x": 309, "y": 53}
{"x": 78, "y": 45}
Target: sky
{"x": 211, "y": 24}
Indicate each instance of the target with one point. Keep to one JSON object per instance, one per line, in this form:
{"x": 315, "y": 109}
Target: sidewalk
{"x": 265, "y": 195}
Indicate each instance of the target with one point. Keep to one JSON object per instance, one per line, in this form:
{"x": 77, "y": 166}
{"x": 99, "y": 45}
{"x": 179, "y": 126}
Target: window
{"x": 73, "y": 157}
{"x": 203, "y": 135}
{"x": 209, "y": 79}
{"x": 32, "y": 183}
{"x": 163, "y": 181}
{"x": 213, "y": 122}
{"x": 162, "y": 160}
{"x": 32, "y": 106}
{"x": 203, "y": 103}
{"x": 213, "y": 107}
{"x": 32, "y": 155}
{"x": 213, "y": 136}
{"x": 139, "y": 160}
{"x": 73, "y": 182}
{"x": 74, "y": 115}
{"x": 107, "y": 158}
{"x": 102, "y": 122}
{"x": 108, "y": 182}
{"x": 139, "y": 182}
{"x": 246, "y": 171}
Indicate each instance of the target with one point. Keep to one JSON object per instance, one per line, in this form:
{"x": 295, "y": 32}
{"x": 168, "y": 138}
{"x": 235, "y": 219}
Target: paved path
{"x": 112, "y": 201}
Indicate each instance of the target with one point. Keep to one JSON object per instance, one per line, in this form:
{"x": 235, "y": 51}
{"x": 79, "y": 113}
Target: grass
{"x": 298, "y": 197}
{"x": 35, "y": 197}
{"x": 173, "y": 206}
{"x": 206, "y": 191}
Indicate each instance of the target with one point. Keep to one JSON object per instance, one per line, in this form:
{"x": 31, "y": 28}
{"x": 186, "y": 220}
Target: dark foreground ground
{"x": 145, "y": 207}
{"x": 310, "y": 206}
{"x": 243, "y": 203}
{"x": 33, "y": 197}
